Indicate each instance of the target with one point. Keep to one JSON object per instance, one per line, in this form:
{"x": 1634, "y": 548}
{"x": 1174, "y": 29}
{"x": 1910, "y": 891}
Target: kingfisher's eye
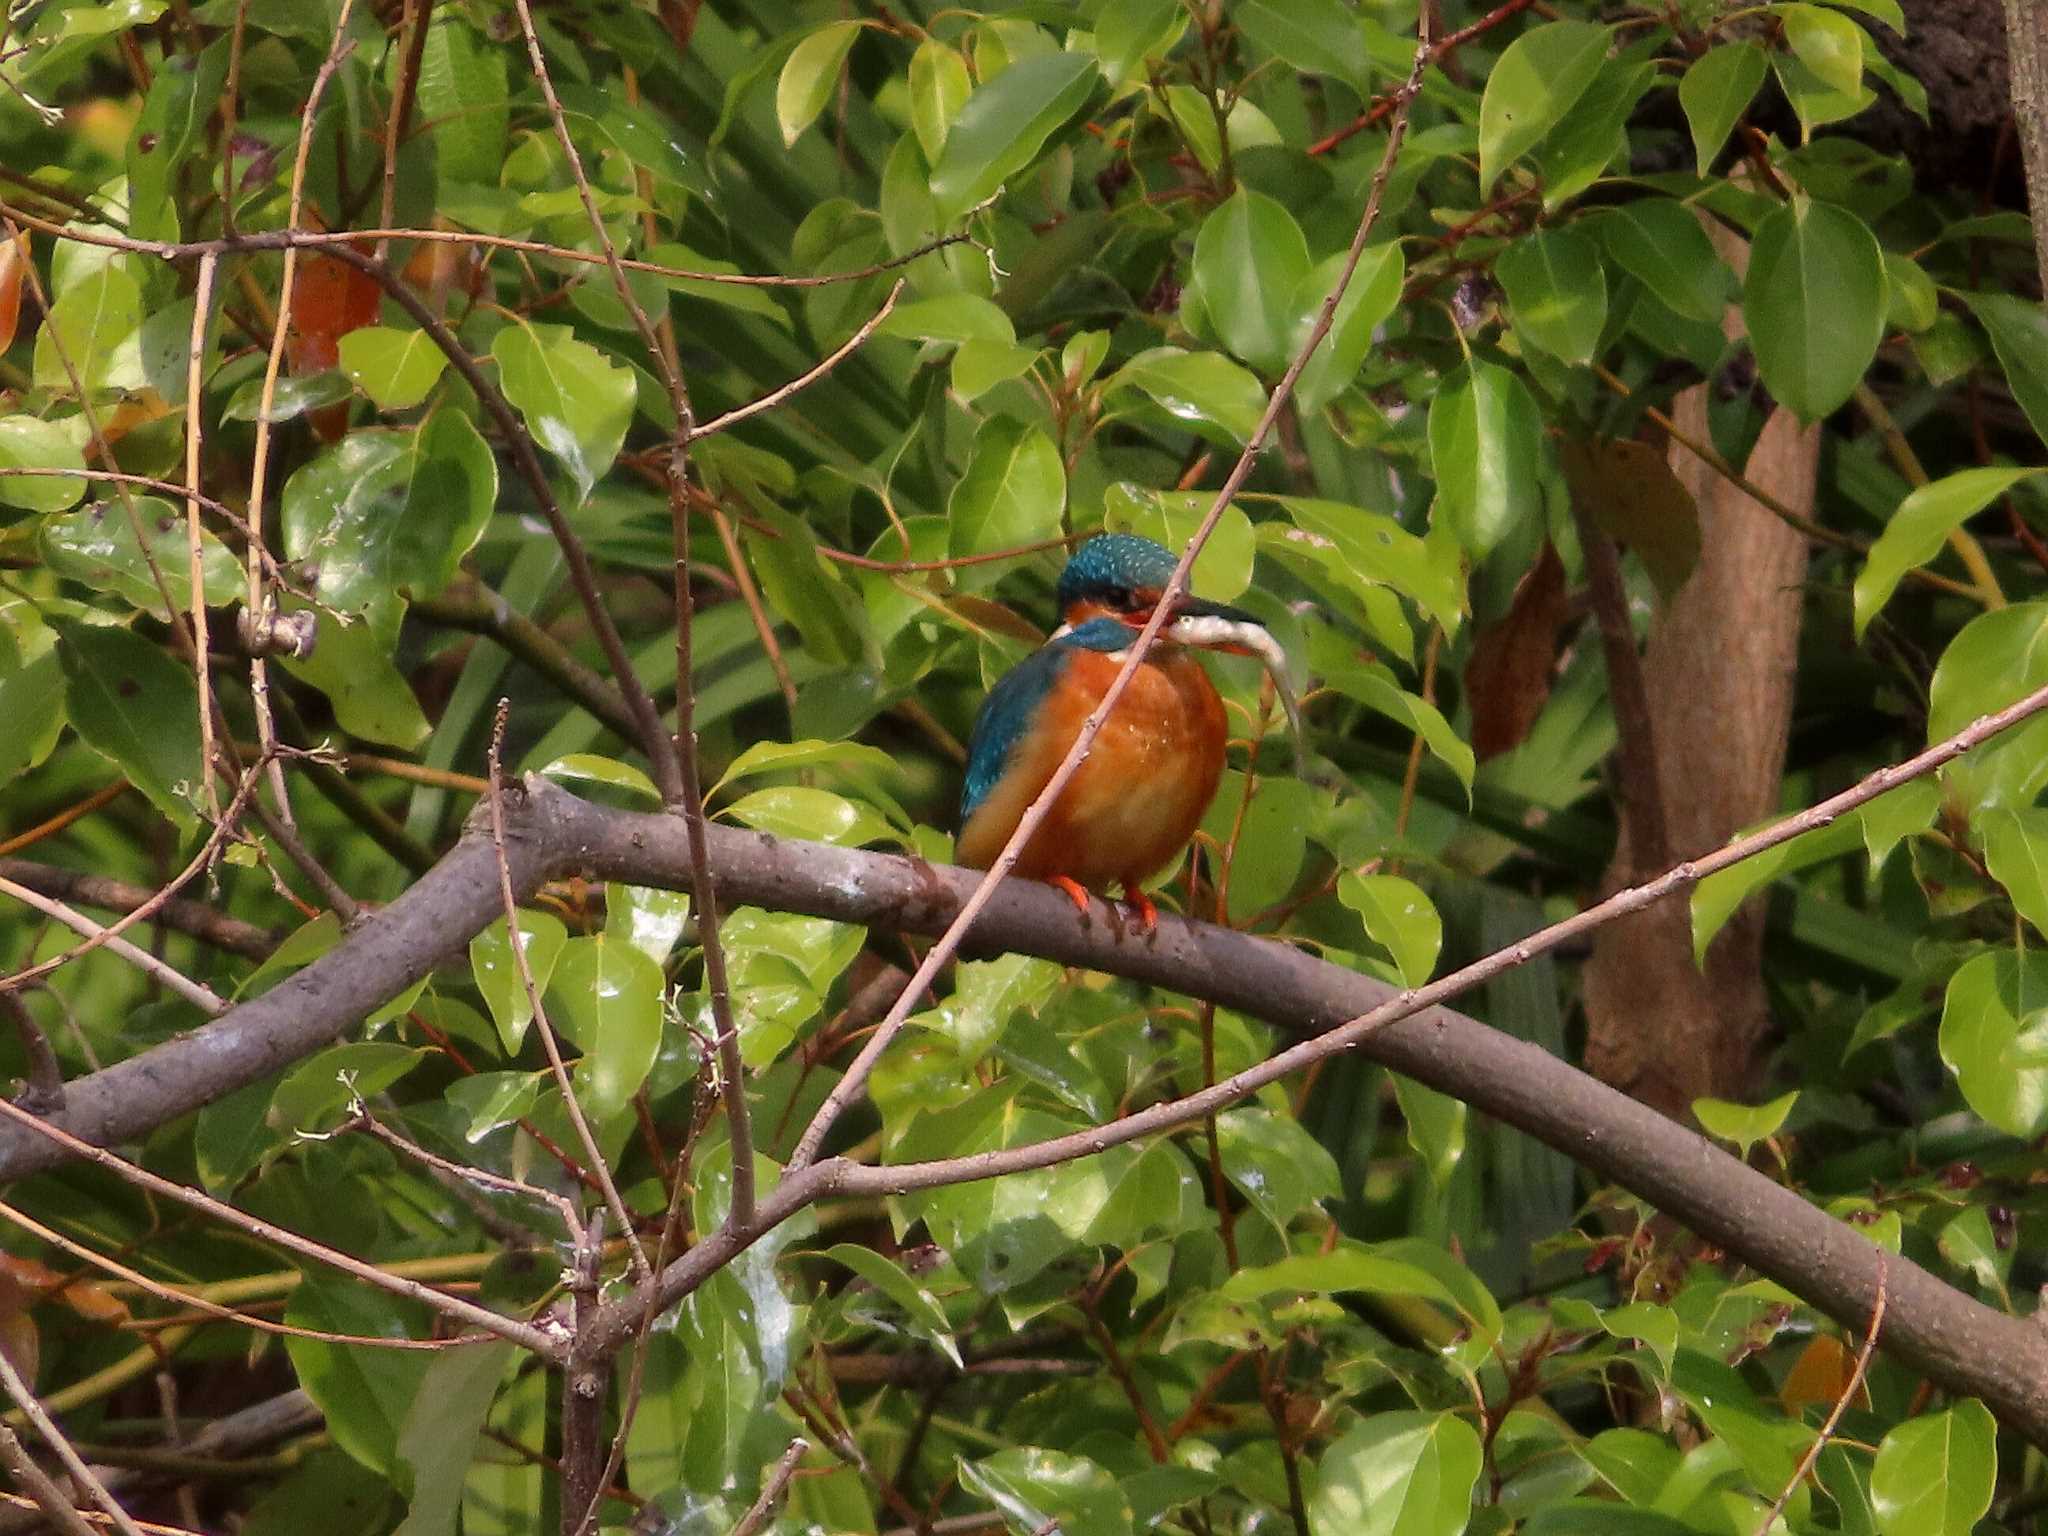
{"x": 1117, "y": 597}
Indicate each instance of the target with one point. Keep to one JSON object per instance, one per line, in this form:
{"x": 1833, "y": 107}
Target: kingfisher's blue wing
{"x": 1005, "y": 718}
{"x": 1012, "y": 705}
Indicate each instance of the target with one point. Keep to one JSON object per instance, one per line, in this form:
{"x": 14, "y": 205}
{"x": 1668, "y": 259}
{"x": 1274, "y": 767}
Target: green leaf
{"x": 1994, "y": 1038}
{"x": 1827, "y": 43}
{"x": 1814, "y": 304}
{"x": 590, "y": 768}
{"x": 1557, "y": 291}
{"x": 1004, "y": 124}
{"x": 1921, "y": 526}
{"x": 927, "y": 1318}
{"x": 939, "y": 87}
{"x": 95, "y": 327}
{"x": 1717, "y": 898}
{"x": 1375, "y": 687}
{"x": 792, "y": 810}
{"x": 97, "y": 545}
{"x": 1205, "y": 388}
{"x": 606, "y": 995}
{"x": 1399, "y": 917}
{"x": 492, "y": 1099}
{"x": 1660, "y": 243}
{"x": 1318, "y": 37}
{"x": 576, "y": 402}
{"x": 1436, "y": 1127}
{"x": 364, "y": 1394}
{"x": 291, "y": 399}
{"x": 28, "y": 442}
{"x": 1541, "y": 74}
{"x": 1485, "y": 449}
{"x": 2019, "y": 335}
{"x": 315, "y": 1094}
{"x": 1744, "y": 1124}
{"x": 950, "y": 317}
{"x": 394, "y": 368}
{"x": 1997, "y": 658}
{"x": 1371, "y": 548}
{"x": 1013, "y": 491}
{"x": 1912, "y": 304}
{"x": 32, "y": 704}
{"x": 1036, "y": 1489}
{"x": 1934, "y": 1475}
{"x": 2016, "y": 852}
{"x": 1279, "y": 1166}
{"x": 386, "y": 511}
{"x": 352, "y": 665}
{"x": 783, "y": 756}
{"x": 1250, "y": 258}
{"x": 496, "y": 971}
{"x": 132, "y": 703}
{"x": 439, "y": 1437}
{"x": 462, "y": 98}
{"x": 1223, "y": 570}
{"x": 1374, "y": 290}
{"x": 1128, "y": 34}
{"x": 1716, "y": 90}
{"x": 1398, "y": 1474}
{"x": 809, "y": 75}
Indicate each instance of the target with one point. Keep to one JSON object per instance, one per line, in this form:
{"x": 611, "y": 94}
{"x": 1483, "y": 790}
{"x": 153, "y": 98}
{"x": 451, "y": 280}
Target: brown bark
{"x": 2026, "y": 26}
{"x": 1718, "y": 670}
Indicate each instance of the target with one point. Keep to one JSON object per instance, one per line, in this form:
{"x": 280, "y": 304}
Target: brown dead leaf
{"x": 1507, "y": 681}
{"x": 1631, "y": 492}
{"x": 14, "y": 257}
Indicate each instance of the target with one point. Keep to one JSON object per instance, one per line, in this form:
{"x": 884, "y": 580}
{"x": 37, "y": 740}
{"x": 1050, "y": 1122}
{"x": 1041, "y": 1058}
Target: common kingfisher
{"x": 1136, "y": 799}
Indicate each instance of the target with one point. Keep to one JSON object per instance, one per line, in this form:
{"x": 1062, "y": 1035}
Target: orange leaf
{"x": 1507, "y": 680}
{"x": 1819, "y": 1376}
{"x": 14, "y": 257}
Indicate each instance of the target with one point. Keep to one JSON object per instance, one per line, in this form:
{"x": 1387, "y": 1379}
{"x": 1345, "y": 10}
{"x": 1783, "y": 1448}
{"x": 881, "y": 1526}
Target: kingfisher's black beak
{"x": 1188, "y": 606}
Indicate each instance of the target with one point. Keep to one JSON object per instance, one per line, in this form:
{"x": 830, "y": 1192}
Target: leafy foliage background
{"x": 1074, "y": 247}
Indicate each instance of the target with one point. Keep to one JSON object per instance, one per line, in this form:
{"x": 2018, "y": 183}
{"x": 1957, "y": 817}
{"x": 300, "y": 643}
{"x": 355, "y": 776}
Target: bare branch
{"x": 53, "y": 1437}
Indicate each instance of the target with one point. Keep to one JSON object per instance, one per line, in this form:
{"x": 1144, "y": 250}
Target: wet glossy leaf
{"x": 1557, "y": 291}
{"x": 1485, "y": 448}
{"x": 791, "y": 810}
{"x": 93, "y": 334}
{"x": 589, "y": 768}
{"x": 492, "y": 1099}
{"x": 1716, "y": 90}
{"x": 496, "y": 971}
{"x": 1279, "y": 1166}
{"x": 1921, "y": 526}
{"x": 785, "y": 756}
{"x": 1540, "y": 75}
{"x": 132, "y": 703}
{"x": 1814, "y": 304}
{"x": 1004, "y": 124}
{"x": 1994, "y": 1038}
{"x": 574, "y": 399}
{"x": 950, "y": 317}
{"x": 384, "y": 512}
{"x": 1127, "y": 35}
{"x": 394, "y": 368}
{"x": 28, "y": 442}
{"x": 1398, "y": 1474}
{"x": 316, "y": 1094}
{"x": 352, "y": 665}
{"x": 1399, "y": 917}
{"x": 1034, "y": 1489}
{"x": 926, "y": 1317}
{"x": 1201, "y": 387}
{"x": 606, "y": 996}
{"x": 1934, "y": 1475}
{"x": 809, "y": 75}
{"x": 1250, "y": 259}
{"x": 97, "y": 545}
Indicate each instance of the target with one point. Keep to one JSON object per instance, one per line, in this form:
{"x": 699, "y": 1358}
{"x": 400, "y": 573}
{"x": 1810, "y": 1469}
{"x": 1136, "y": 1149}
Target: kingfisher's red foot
{"x": 1142, "y": 909}
{"x": 1076, "y": 893}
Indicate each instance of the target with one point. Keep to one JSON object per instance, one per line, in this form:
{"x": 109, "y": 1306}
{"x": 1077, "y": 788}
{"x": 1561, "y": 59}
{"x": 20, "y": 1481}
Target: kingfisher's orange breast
{"x": 1138, "y": 797}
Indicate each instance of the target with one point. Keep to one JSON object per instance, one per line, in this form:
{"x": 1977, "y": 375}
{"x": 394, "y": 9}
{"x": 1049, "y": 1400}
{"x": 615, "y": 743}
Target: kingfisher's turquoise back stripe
{"x": 1007, "y": 712}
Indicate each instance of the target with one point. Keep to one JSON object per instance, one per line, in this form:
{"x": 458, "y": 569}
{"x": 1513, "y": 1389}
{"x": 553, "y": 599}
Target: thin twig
{"x": 200, "y": 921}
{"x": 44, "y": 1092}
{"x": 204, "y": 998}
{"x": 195, "y": 544}
{"x": 457, "y": 1308}
{"x": 517, "y": 939}
{"x": 773, "y": 1487}
{"x": 854, "y": 1081}
{"x": 1842, "y": 1401}
{"x": 53, "y": 1437}
{"x": 50, "y": 1499}
{"x": 808, "y": 377}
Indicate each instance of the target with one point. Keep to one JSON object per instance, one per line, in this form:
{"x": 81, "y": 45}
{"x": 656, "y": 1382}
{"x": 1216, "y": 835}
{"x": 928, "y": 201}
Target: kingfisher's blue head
{"x": 1121, "y": 575}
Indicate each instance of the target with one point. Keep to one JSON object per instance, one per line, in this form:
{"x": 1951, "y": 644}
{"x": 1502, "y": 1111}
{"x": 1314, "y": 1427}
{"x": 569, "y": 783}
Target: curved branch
{"x": 1956, "y": 1340}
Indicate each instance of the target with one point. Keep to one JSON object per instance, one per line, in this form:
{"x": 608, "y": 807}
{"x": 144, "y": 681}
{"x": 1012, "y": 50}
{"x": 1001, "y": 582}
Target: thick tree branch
{"x": 1957, "y": 1341}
